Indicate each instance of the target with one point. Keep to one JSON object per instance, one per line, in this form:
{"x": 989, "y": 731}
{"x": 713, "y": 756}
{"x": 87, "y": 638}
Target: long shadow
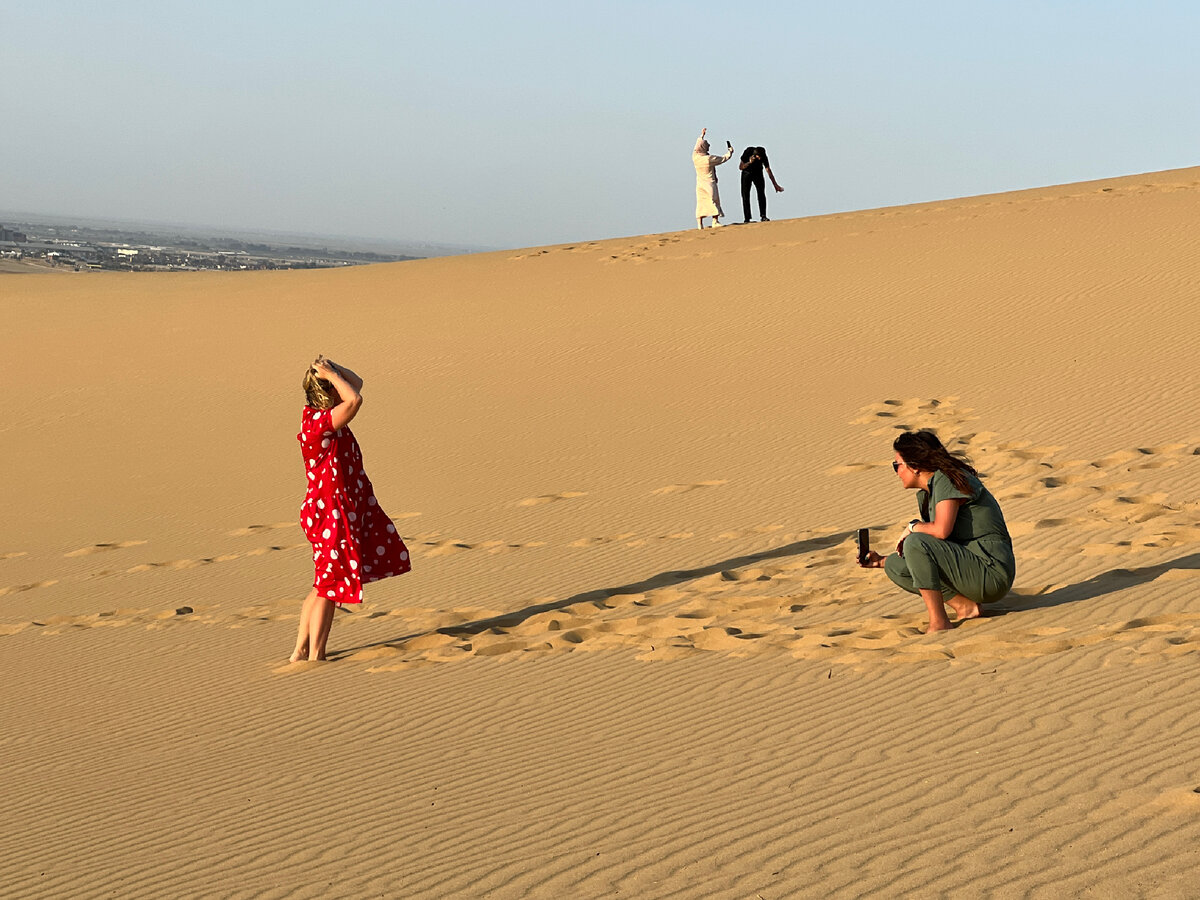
{"x": 663, "y": 579}
{"x": 1098, "y": 585}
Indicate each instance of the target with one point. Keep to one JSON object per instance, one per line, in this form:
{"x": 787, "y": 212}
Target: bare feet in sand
{"x": 302, "y": 656}
{"x": 964, "y": 608}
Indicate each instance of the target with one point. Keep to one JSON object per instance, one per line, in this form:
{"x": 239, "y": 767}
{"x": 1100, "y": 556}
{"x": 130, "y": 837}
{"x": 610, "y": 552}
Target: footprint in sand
{"x": 450, "y": 546}
{"x": 1165, "y": 622}
{"x": 209, "y": 560}
{"x": 597, "y": 541}
{"x": 1106, "y": 549}
{"x": 255, "y": 529}
{"x": 1171, "y": 449}
{"x": 13, "y": 555}
{"x": 1181, "y": 534}
{"x": 652, "y": 598}
{"x": 21, "y": 588}
{"x": 1180, "y": 801}
{"x": 258, "y": 551}
{"x": 684, "y": 488}
{"x": 1027, "y": 453}
{"x": 112, "y": 618}
{"x": 1062, "y": 522}
{"x": 445, "y": 548}
{"x": 104, "y": 548}
{"x": 551, "y": 498}
{"x": 506, "y": 547}
{"x": 1134, "y": 509}
{"x": 904, "y": 415}
{"x": 1057, "y": 481}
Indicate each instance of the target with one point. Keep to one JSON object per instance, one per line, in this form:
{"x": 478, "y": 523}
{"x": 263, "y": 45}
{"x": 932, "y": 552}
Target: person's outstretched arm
{"x": 351, "y": 399}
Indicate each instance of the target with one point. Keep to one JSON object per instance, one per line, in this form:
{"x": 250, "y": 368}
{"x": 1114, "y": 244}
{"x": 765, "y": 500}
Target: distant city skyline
{"x": 497, "y": 126}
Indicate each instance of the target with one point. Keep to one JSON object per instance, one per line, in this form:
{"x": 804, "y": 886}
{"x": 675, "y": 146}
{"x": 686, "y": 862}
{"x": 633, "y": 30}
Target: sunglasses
{"x": 896, "y": 467}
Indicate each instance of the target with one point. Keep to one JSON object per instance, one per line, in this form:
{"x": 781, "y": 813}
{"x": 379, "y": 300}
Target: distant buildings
{"x": 84, "y": 248}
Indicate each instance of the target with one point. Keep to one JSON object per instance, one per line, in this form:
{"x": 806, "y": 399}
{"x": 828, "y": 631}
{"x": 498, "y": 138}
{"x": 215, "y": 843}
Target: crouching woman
{"x": 958, "y": 553}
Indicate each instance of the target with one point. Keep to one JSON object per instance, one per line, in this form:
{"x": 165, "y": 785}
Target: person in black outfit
{"x": 754, "y": 161}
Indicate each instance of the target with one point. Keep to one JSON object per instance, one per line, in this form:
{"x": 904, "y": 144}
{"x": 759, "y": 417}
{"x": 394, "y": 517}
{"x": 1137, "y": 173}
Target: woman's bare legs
{"x": 938, "y": 620}
{"x": 302, "y": 642}
{"x": 965, "y": 608}
{"x": 319, "y": 623}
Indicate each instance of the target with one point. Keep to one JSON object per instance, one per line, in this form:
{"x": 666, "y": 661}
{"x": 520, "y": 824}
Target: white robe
{"x": 708, "y": 198}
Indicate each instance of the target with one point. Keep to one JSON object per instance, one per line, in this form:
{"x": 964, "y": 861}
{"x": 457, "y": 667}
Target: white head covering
{"x": 701, "y": 146}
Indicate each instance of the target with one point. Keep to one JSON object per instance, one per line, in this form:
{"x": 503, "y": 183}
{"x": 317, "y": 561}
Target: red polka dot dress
{"x": 353, "y": 540}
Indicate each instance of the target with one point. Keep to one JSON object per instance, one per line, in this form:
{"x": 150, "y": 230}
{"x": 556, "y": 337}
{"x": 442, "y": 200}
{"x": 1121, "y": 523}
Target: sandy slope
{"x": 629, "y": 472}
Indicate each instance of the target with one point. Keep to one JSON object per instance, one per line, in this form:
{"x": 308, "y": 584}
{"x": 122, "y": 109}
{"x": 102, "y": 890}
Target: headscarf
{"x": 701, "y": 146}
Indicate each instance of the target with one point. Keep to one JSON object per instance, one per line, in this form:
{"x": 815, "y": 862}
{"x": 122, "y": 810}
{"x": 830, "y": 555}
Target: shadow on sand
{"x": 663, "y": 579}
{"x": 1098, "y": 585}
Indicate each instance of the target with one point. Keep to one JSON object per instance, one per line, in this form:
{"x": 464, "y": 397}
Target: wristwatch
{"x": 912, "y": 524}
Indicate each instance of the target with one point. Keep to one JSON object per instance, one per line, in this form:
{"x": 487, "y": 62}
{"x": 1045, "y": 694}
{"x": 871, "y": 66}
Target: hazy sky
{"x": 509, "y": 124}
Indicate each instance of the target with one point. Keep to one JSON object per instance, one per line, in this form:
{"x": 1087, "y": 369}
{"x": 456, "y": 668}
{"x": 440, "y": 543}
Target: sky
{"x": 500, "y": 125}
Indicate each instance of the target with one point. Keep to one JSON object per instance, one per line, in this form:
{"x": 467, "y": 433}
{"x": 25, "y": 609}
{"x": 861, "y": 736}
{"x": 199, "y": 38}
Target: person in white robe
{"x": 708, "y": 198}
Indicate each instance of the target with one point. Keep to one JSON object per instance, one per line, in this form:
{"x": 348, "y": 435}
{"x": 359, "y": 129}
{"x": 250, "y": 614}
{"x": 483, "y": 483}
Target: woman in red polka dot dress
{"x": 353, "y": 540}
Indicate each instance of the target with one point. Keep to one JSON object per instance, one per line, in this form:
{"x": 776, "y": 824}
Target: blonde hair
{"x": 317, "y": 391}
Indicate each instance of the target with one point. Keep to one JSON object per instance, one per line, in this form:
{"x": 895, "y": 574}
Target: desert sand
{"x": 634, "y": 657}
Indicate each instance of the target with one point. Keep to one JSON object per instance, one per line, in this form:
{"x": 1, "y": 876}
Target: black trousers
{"x": 760, "y": 183}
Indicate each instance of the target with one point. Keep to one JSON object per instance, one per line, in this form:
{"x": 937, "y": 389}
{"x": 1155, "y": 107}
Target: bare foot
{"x": 938, "y": 626}
{"x": 298, "y": 656}
{"x": 964, "y": 608}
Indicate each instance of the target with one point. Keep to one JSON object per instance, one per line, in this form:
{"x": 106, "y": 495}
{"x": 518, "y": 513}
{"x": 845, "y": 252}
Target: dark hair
{"x": 924, "y": 451}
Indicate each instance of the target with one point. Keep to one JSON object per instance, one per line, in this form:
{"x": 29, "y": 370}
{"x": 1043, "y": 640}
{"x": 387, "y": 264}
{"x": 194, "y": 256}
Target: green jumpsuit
{"x": 976, "y": 558}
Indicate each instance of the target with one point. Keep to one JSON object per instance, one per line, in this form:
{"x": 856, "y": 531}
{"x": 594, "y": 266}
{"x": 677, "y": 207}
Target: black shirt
{"x": 754, "y": 169}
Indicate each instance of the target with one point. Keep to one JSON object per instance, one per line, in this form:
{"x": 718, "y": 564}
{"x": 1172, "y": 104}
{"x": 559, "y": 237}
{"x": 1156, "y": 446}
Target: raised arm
{"x": 351, "y": 399}
{"x": 355, "y": 381}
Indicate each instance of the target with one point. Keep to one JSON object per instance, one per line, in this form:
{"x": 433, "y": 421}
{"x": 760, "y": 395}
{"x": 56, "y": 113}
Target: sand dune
{"x": 630, "y": 473}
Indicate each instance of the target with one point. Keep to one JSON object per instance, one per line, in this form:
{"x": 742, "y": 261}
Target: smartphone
{"x": 864, "y": 545}
{"x": 729, "y": 145}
